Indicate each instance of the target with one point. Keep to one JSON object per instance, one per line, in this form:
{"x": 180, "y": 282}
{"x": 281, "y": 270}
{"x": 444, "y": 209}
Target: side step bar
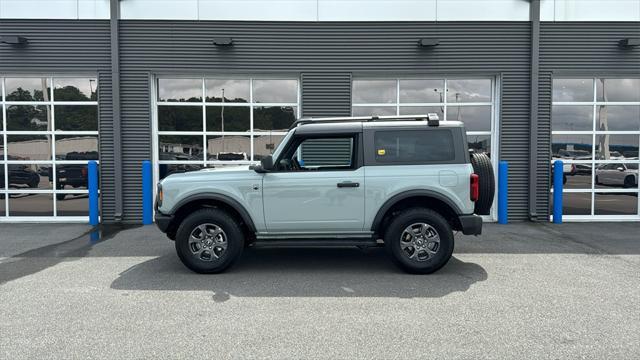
{"x": 316, "y": 243}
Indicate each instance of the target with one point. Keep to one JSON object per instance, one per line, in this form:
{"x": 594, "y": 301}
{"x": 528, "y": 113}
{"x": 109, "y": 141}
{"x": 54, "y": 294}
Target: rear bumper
{"x": 470, "y": 224}
{"x": 163, "y": 221}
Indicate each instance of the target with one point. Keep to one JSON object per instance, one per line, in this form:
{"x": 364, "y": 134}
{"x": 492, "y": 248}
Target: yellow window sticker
{"x": 381, "y": 152}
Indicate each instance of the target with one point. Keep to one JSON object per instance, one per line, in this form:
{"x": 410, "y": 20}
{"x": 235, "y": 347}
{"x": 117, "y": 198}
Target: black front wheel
{"x": 209, "y": 241}
{"x": 419, "y": 240}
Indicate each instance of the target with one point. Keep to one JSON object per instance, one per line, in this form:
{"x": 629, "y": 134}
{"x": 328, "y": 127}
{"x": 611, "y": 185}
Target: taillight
{"x": 474, "y": 190}
{"x": 84, "y": 172}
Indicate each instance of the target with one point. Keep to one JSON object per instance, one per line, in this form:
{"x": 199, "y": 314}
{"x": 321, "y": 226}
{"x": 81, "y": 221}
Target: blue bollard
{"x": 503, "y": 191}
{"x": 558, "y": 175}
{"x": 92, "y": 179}
{"x": 147, "y": 193}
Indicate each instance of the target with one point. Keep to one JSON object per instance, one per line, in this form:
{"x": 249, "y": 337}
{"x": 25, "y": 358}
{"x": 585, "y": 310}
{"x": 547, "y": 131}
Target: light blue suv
{"x": 400, "y": 182}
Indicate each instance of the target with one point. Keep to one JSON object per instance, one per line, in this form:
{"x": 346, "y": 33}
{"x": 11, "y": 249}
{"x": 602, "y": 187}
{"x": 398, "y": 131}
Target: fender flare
{"x": 227, "y": 200}
{"x": 377, "y": 220}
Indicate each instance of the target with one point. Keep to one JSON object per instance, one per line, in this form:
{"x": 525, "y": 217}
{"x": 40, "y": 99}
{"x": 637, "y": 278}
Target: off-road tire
{"x": 396, "y": 228}
{"x": 234, "y": 238}
{"x": 483, "y": 168}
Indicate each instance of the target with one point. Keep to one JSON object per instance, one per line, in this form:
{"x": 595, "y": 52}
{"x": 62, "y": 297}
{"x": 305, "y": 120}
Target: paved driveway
{"x": 519, "y": 291}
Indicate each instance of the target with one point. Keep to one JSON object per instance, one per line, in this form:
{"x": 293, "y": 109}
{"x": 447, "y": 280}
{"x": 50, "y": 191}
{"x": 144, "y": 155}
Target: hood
{"x": 227, "y": 172}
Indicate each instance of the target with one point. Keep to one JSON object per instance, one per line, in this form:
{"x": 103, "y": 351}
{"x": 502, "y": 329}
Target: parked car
{"x": 73, "y": 175}
{"x": 617, "y": 174}
{"x": 20, "y": 174}
{"x": 421, "y": 184}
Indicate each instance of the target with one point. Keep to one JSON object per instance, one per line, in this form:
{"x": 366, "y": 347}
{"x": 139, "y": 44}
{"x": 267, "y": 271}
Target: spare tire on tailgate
{"x": 482, "y": 167}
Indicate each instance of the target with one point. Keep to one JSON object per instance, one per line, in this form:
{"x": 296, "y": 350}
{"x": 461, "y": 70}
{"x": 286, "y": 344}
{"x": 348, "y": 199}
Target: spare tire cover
{"x": 483, "y": 168}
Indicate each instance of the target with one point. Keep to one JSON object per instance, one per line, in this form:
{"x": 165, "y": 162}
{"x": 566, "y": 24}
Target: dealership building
{"x": 190, "y": 84}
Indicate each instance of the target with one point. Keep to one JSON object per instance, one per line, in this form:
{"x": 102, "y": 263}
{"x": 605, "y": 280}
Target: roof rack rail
{"x": 431, "y": 118}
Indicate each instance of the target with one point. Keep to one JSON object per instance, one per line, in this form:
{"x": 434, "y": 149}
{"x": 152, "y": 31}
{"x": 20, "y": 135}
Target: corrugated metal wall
{"x": 325, "y": 55}
{"x": 68, "y": 47}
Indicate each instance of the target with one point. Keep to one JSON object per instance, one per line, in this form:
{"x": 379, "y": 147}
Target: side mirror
{"x": 266, "y": 165}
{"x": 620, "y": 168}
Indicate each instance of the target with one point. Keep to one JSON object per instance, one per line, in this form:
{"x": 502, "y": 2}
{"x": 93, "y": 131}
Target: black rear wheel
{"x": 483, "y": 168}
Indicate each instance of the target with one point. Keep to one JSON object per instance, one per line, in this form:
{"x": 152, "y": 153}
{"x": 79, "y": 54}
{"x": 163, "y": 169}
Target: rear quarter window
{"x": 414, "y": 146}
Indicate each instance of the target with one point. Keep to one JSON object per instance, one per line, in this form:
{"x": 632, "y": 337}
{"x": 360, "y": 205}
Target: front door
{"x": 317, "y": 186}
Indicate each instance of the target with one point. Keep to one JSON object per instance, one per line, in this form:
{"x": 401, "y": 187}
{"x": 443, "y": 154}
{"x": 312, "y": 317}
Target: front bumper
{"x": 471, "y": 224}
{"x": 163, "y": 221}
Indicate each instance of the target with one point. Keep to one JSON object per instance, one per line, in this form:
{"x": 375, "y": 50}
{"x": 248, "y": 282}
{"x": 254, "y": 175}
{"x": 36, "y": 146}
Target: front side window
{"x": 319, "y": 154}
{"x": 410, "y": 146}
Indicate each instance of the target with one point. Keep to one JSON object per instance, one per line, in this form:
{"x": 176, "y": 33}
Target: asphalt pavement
{"x": 518, "y": 291}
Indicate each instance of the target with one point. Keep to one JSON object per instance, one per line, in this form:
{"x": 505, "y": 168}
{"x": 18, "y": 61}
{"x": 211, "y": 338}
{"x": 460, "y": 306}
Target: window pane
{"x": 329, "y": 152}
{"x": 29, "y": 147}
{"x": 618, "y": 89}
{"x": 76, "y": 147}
{"x": 179, "y": 118}
{"x": 278, "y": 118}
{"x": 27, "y": 89}
{"x": 480, "y": 143}
{"x": 618, "y": 118}
{"x": 422, "y": 110}
{"x": 374, "y": 110}
{"x": 572, "y": 118}
{"x": 577, "y": 176}
{"x": 575, "y": 203}
{"x": 275, "y": 91}
{"x": 573, "y": 90}
{"x": 475, "y": 118}
{"x": 414, "y": 146}
{"x": 72, "y": 204}
{"x": 610, "y": 147}
{"x": 76, "y": 117}
{"x": 75, "y": 89}
{"x": 71, "y": 176}
{"x": 181, "y": 90}
{"x": 28, "y": 118}
{"x": 616, "y": 175}
{"x": 228, "y": 148}
{"x": 169, "y": 169}
{"x": 180, "y": 147}
{"x": 234, "y": 90}
{"x": 616, "y": 204}
{"x": 264, "y": 145}
{"x": 421, "y": 91}
{"x": 31, "y": 204}
{"x": 476, "y": 90}
{"x": 374, "y": 91}
{"x": 236, "y": 118}
{"x": 27, "y": 176}
{"x": 575, "y": 147}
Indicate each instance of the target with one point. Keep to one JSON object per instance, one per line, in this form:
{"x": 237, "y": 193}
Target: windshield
{"x": 632, "y": 166}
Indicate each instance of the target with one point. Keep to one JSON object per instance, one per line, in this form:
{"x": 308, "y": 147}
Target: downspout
{"x": 115, "y": 93}
{"x": 534, "y": 14}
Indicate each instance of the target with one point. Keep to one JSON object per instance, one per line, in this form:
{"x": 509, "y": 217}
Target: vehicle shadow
{"x": 295, "y": 272}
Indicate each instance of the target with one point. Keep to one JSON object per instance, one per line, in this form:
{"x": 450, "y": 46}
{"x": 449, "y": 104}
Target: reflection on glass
{"x": 473, "y": 90}
{"x": 26, "y": 176}
{"x": 31, "y": 205}
{"x": 277, "y": 118}
{"x": 373, "y": 110}
{"x": 76, "y": 117}
{"x": 180, "y": 90}
{"x": 617, "y": 175}
{"x": 575, "y": 203}
{"x": 71, "y": 176}
{"x": 75, "y": 89}
{"x": 228, "y": 118}
{"x": 618, "y": 118}
{"x": 264, "y": 145}
{"x": 422, "y": 110}
{"x": 475, "y": 118}
{"x": 573, "y": 90}
{"x": 275, "y": 91}
{"x": 616, "y": 203}
{"x": 28, "y": 118}
{"x": 29, "y": 147}
{"x": 234, "y": 90}
{"x": 572, "y": 117}
{"x": 614, "y": 147}
{"x": 180, "y": 147}
{"x": 180, "y": 118}
{"x": 421, "y": 91}
{"x": 618, "y": 89}
{"x": 169, "y": 169}
{"x": 76, "y": 147}
{"x": 72, "y": 204}
{"x": 480, "y": 143}
{"x": 27, "y": 89}
{"x": 1, "y": 152}
{"x": 577, "y": 176}
{"x": 228, "y": 148}
{"x": 374, "y": 91}
{"x": 576, "y": 147}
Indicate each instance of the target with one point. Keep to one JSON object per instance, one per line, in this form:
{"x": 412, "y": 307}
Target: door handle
{"x": 346, "y": 184}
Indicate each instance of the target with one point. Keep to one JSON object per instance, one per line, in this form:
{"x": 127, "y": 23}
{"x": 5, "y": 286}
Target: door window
{"x": 320, "y": 154}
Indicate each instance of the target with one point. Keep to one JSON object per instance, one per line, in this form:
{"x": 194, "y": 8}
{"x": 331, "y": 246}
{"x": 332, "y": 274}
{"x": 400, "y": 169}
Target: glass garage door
{"x": 49, "y": 133}
{"x": 596, "y": 132}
